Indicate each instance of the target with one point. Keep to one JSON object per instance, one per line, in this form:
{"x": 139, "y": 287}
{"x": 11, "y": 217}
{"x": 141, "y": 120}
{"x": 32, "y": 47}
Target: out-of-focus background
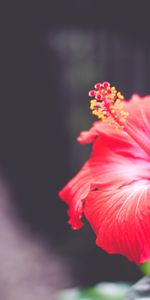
{"x": 52, "y": 54}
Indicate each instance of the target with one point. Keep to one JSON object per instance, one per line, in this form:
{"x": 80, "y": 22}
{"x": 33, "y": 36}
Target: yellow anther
{"x": 122, "y": 120}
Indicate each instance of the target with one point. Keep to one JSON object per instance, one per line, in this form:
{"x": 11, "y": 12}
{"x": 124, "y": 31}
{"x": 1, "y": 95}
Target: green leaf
{"x": 145, "y": 268}
{"x": 89, "y": 294}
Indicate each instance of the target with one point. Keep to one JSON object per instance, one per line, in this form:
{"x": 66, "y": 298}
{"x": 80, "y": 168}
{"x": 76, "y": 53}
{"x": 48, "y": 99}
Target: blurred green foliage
{"x": 102, "y": 291}
{"x": 145, "y": 268}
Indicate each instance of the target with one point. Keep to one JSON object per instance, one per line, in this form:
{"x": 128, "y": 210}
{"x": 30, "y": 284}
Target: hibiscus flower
{"x": 112, "y": 189}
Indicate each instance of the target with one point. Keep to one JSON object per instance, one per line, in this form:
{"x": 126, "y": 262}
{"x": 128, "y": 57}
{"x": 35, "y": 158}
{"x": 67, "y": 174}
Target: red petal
{"x": 121, "y": 219}
{"x": 74, "y": 194}
{"x": 90, "y": 135}
{"x": 139, "y": 117}
{"x": 112, "y": 157}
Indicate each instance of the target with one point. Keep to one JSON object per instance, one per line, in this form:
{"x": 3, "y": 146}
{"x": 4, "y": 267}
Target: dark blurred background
{"x": 52, "y": 54}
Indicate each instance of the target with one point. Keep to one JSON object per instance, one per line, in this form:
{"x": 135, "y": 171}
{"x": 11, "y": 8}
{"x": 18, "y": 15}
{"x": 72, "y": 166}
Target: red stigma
{"x": 98, "y": 96}
{"x": 106, "y": 84}
{"x": 109, "y": 91}
{"x": 92, "y": 93}
{"x": 97, "y": 86}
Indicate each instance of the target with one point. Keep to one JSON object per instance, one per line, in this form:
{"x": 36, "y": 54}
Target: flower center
{"x": 107, "y": 105}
